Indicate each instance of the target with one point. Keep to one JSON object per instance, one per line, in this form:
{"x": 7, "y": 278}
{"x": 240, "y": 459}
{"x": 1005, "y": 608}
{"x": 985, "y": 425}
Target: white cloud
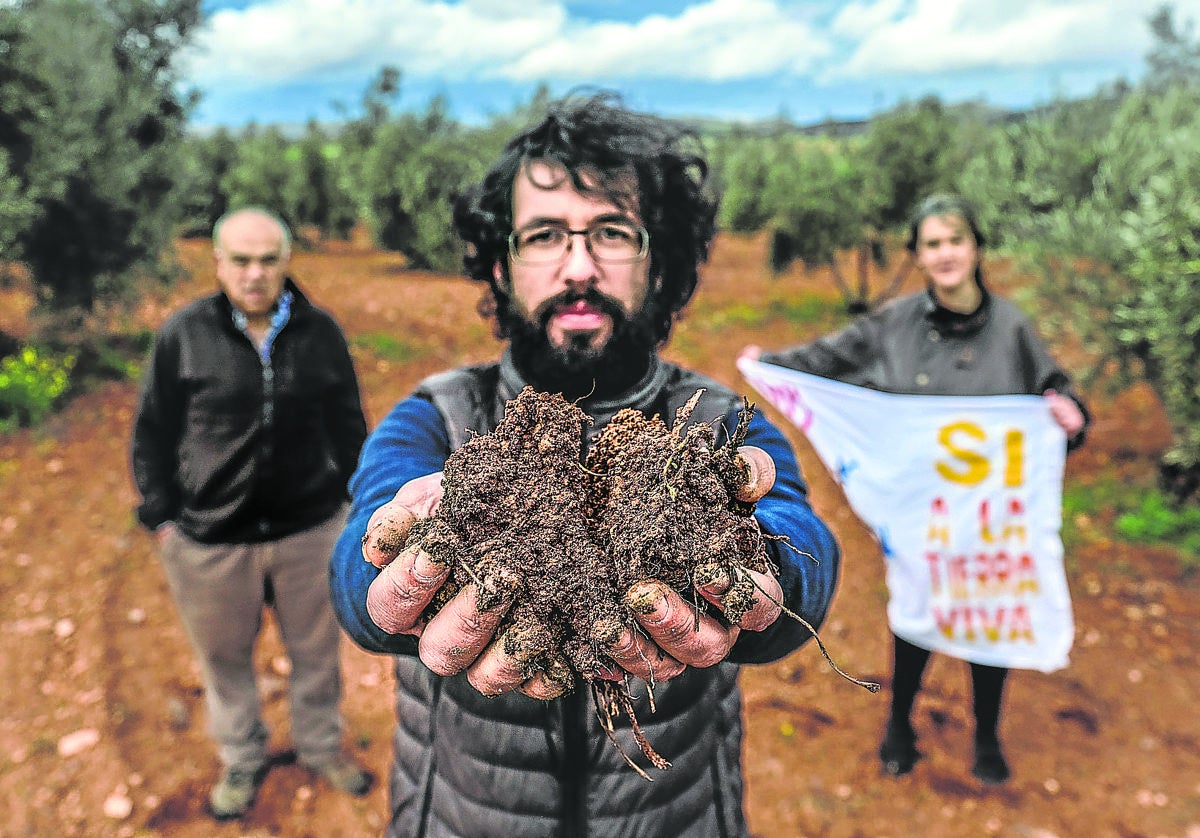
{"x": 719, "y": 40}
{"x": 284, "y": 40}
{"x": 939, "y": 36}
{"x": 520, "y": 40}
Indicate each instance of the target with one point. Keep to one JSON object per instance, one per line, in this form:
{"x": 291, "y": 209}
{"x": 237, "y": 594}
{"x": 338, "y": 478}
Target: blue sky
{"x": 286, "y": 61}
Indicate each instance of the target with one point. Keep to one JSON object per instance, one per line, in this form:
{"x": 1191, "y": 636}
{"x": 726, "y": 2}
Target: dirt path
{"x": 101, "y": 713}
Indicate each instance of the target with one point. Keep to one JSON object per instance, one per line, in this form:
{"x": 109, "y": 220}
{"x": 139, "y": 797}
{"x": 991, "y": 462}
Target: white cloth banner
{"x": 965, "y": 496}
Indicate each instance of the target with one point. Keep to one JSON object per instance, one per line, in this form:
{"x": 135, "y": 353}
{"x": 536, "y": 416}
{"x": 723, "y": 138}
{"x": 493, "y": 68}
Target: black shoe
{"x": 898, "y": 752}
{"x": 990, "y": 766}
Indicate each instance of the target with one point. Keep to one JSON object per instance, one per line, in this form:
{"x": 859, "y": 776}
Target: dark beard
{"x": 576, "y": 369}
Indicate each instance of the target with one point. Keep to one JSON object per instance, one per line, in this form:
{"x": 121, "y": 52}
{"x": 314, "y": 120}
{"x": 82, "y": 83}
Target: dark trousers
{"x": 908, "y": 666}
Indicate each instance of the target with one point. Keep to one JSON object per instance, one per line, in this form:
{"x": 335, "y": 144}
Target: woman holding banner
{"x": 953, "y": 339}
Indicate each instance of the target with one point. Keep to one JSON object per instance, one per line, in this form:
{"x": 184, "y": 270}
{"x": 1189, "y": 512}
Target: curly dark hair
{"x": 597, "y": 137}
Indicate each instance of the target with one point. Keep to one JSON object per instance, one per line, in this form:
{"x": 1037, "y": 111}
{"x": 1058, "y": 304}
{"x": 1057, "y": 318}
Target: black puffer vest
{"x": 472, "y": 767}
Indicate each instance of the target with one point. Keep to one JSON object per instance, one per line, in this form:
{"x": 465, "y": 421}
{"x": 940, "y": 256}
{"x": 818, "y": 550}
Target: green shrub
{"x": 31, "y": 382}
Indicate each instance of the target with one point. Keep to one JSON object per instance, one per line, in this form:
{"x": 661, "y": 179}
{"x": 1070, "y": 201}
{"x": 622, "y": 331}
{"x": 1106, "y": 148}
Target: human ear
{"x": 500, "y": 274}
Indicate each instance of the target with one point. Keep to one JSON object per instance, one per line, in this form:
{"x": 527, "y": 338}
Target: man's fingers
{"x": 403, "y": 588}
{"x": 387, "y": 530}
{"x": 761, "y": 473}
{"x": 673, "y": 623}
{"x": 459, "y": 632}
{"x": 388, "y": 526}
{"x": 638, "y": 655}
{"x": 748, "y": 598}
{"x": 543, "y": 687}
{"x": 504, "y": 665}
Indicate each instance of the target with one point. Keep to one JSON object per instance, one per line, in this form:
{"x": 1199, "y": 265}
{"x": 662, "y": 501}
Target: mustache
{"x": 606, "y": 304}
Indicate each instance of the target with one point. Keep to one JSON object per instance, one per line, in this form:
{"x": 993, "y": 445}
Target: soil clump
{"x": 532, "y": 515}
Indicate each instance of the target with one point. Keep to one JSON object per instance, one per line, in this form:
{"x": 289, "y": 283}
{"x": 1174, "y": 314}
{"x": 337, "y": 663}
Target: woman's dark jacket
{"x": 234, "y": 448}
{"x": 916, "y": 346}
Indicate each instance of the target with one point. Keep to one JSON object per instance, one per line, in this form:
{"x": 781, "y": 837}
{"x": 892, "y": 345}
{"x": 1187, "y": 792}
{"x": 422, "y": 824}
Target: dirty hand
{"x": 460, "y": 636}
{"x": 760, "y": 474}
{"x": 1065, "y": 412}
{"x": 408, "y": 579}
{"x": 677, "y": 636}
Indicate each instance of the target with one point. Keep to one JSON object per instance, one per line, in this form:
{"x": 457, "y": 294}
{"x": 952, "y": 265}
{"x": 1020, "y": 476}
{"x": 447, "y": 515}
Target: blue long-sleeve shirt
{"x": 412, "y": 442}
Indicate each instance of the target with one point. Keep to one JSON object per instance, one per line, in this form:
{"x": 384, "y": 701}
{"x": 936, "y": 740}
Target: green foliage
{"x": 102, "y": 354}
{"x": 1031, "y": 168}
{"x": 1155, "y": 520}
{"x": 31, "y": 383}
{"x": 908, "y": 153}
{"x": 207, "y": 162}
{"x": 318, "y": 191}
{"x": 92, "y": 121}
{"x": 1120, "y": 261}
{"x": 747, "y": 167}
{"x": 261, "y": 174}
{"x": 821, "y": 196}
{"x": 816, "y": 205}
{"x": 409, "y": 178}
{"x": 17, "y": 208}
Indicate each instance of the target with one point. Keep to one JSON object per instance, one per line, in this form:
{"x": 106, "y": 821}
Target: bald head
{"x": 257, "y": 215}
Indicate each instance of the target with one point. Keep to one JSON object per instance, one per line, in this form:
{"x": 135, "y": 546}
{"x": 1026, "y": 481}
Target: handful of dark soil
{"x": 527, "y": 515}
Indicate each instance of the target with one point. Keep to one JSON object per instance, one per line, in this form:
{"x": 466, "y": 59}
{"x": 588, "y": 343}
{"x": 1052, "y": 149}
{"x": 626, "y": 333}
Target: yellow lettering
{"x": 975, "y": 466}
{"x": 1014, "y": 458}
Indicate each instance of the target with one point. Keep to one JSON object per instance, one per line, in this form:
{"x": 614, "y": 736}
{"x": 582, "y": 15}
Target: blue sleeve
{"x": 410, "y": 442}
{"x": 808, "y": 569}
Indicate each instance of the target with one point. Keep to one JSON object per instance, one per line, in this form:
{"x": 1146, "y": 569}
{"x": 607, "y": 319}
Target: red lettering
{"x": 1026, "y": 573}
{"x": 1021, "y": 627}
{"x": 985, "y": 527}
{"x": 935, "y": 576}
{"x": 996, "y": 625}
{"x": 956, "y": 570}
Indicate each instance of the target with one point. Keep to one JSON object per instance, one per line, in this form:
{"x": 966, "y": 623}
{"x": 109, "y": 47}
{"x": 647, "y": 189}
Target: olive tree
{"x": 91, "y": 139}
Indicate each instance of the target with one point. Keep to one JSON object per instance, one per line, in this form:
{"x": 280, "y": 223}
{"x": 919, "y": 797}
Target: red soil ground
{"x": 102, "y": 718}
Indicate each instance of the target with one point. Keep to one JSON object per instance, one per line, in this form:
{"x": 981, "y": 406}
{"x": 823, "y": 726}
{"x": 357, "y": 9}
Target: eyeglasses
{"x": 612, "y": 242}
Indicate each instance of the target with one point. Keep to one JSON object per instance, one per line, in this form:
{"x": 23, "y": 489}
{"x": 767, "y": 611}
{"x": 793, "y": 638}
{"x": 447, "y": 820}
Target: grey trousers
{"x": 219, "y": 590}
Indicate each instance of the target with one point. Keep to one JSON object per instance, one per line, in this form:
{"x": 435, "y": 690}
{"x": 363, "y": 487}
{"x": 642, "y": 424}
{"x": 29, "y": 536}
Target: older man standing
{"x": 248, "y": 428}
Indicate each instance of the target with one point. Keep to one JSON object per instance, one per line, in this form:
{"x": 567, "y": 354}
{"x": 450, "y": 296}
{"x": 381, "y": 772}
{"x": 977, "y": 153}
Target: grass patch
{"x": 1157, "y": 520}
{"x": 387, "y": 346}
{"x": 808, "y": 311}
{"x": 1138, "y": 515}
{"x": 797, "y": 311}
{"x": 1097, "y": 497}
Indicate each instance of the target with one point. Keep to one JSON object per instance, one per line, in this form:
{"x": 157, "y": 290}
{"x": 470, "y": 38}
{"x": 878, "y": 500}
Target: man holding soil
{"x": 248, "y": 428}
{"x": 588, "y": 232}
